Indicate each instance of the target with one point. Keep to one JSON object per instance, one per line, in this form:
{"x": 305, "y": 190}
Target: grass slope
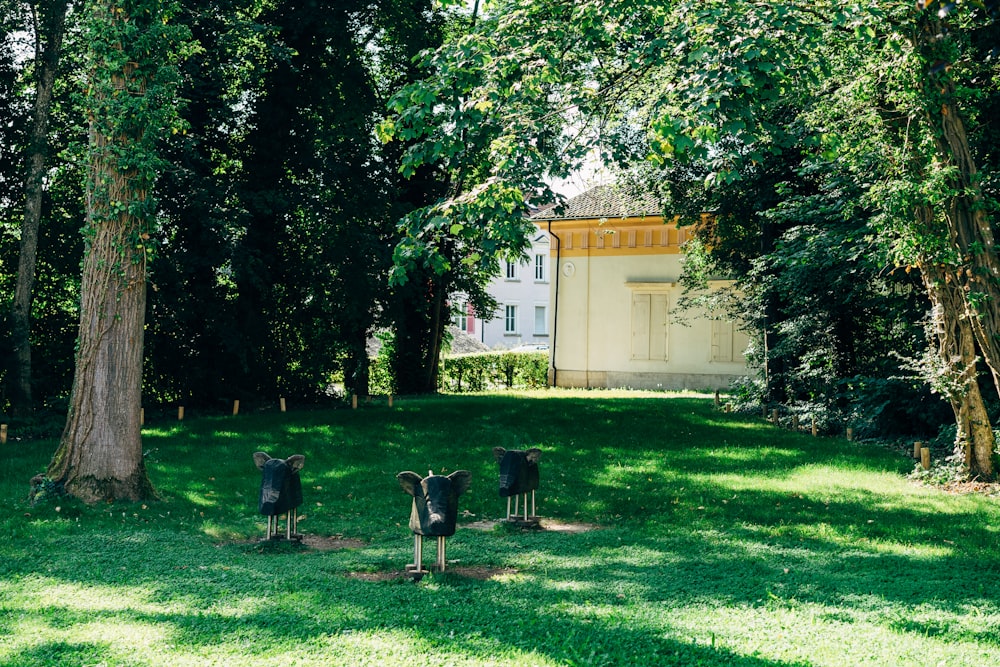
{"x": 716, "y": 540}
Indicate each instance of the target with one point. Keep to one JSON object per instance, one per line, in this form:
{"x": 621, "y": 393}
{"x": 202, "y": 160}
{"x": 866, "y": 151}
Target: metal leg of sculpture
{"x": 533, "y": 513}
{"x": 440, "y": 564}
{"x": 525, "y": 506}
{"x": 508, "y": 508}
{"x": 418, "y": 556}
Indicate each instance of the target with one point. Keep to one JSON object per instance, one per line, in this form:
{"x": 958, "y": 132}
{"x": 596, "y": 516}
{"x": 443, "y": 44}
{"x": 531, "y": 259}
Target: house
{"x": 615, "y": 316}
{"x": 522, "y": 293}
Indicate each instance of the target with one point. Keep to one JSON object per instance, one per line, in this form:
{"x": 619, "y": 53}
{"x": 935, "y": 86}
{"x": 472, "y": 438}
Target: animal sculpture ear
{"x": 410, "y": 481}
{"x": 461, "y": 480}
{"x": 498, "y": 453}
{"x": 295, "y": 462}
{"x": 260, "y": 458}
{"x": 533, "y": 455}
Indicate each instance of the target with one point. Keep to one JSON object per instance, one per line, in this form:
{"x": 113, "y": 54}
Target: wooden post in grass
{"x": 850, "y": 433}
{"x": 813, "y": 429}
{"x": 236, "y": 407}
{"x": 142, "y": 416}
{"x": 774, "y": 416}
{"x": 717, "y": 401}
{"x": 390, "y": 400}
{"x": 281, "y": 402}
{"x": 354, "y": 401}
{"x": 795, "y": 422}
{"x": 180, "y": 413}
{"x": 917, "y": 446}
{"x": 925, "y": 458}
{"x": 3, "y": 434}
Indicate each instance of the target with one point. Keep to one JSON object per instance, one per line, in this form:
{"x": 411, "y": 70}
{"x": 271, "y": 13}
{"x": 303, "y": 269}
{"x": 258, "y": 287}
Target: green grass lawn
{"x": 674, "y": 535}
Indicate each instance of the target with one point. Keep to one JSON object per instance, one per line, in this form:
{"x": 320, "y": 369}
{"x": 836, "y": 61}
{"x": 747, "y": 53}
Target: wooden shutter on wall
{"x": 650, "y": 325}
{"x": 722, "y": 340}
{"x": 640, "y": 326}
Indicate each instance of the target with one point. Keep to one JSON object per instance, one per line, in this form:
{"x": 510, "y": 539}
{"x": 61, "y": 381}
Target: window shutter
{"x": 659, "y": 325}
{"x": 640, "y": 326}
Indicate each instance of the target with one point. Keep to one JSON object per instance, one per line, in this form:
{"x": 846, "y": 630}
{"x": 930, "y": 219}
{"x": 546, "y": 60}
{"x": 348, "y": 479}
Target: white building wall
{"x": 619, "y": 324}
{"x": 525, "y": 290}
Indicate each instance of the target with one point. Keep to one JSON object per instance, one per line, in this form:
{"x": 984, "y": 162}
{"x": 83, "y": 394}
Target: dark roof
{"x": 603, "y": 201}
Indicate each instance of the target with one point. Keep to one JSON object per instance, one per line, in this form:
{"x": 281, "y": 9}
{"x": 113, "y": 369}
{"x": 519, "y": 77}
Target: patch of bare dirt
{"x": 480, "y": 573}
{"x": 561, "y": 527}
{"x": 991, "y": 489}
{"x": 550, "y": 525}
{"x": 333, "y": 543}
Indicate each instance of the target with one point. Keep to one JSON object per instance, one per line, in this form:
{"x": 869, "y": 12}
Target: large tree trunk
{"x": 969, "y": 228}
{"x": 957, "y": 349}
{"x": 418, "y": 322}
{"x": 357, "y": 374}
{"x": 50, "y": 26}
{"x": 100, "y": 453}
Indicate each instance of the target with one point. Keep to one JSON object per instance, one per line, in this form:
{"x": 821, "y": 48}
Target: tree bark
{"x": 50, "y": 26}
{"x": 100, "y": 453}
{"x": 957, "y": 349}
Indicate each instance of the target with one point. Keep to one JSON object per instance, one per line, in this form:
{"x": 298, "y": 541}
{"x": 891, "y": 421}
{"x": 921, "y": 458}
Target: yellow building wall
{"x": 615, "y": 314}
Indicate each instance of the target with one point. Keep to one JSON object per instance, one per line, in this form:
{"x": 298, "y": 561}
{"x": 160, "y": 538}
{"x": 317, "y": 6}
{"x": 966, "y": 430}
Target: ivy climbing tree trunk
{"x": 100, "y": 455}
{"x": 50, "y": 26}
{"x": 957, "y": 349}
{"x": 130, "y": 104}
{"x": 964, "y": 208}
{"x": 963, "y": 284}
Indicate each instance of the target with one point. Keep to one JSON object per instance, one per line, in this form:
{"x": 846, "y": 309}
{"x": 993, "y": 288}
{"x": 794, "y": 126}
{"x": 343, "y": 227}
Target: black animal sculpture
{"x": 518, "y": 476}
{"x": 434, "y": 510}
{"x": 280, "y": 492}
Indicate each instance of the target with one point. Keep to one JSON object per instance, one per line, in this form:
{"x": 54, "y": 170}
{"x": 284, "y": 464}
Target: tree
{"x": 280, "y": 220}
{"x": 129, "y": 104}
{"x": 49, "y": 27}
{"x": 12, "y": 109}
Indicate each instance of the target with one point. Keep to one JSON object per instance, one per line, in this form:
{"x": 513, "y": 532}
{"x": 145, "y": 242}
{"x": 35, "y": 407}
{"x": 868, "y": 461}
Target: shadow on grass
{"x": 426, "y": 616}
{"x": 658, "y": 474}
{"x": 64, "y": 654}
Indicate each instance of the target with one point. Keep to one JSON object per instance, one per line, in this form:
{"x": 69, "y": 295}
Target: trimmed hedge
{"x": 476, "y": 372}
{"x": 494, "y": 370}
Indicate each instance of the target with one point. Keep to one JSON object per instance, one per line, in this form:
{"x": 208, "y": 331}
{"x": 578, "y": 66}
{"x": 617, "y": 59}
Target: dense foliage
{"x": 276, "y": 211}
{"x": 839, "y": 145}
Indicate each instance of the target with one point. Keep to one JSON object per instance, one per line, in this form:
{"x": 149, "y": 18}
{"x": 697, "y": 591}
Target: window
{"x": 650, "y": 324}
{"x": 540, "y": 268}
{"x": 540, "y": 321}
{"x": 461, "y": 317}
{"x": 510, "y": 319}
{"x": 511, "y": 271}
